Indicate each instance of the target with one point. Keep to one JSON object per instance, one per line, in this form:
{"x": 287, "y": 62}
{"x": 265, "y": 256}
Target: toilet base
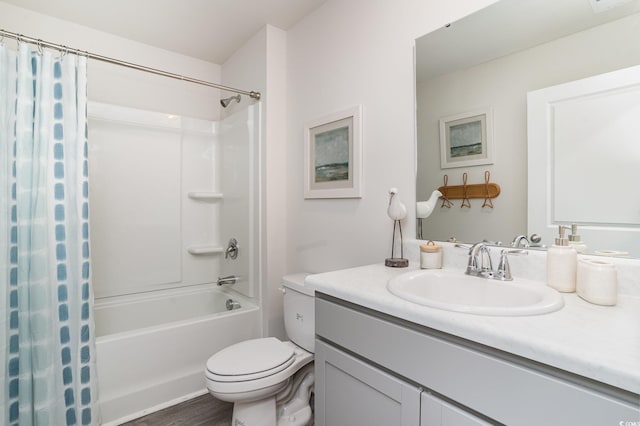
{"x": 261, "y": 412}
{"x": 290, "y": 407}
{"x": 300, "y": 418}
{"x": 293, "y": 404}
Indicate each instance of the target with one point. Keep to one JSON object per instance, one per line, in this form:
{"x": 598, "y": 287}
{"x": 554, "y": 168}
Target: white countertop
{"x": 598, "y": 342}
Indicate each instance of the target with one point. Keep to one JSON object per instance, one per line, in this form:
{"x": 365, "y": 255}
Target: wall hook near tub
{"x": 487, "y": 190}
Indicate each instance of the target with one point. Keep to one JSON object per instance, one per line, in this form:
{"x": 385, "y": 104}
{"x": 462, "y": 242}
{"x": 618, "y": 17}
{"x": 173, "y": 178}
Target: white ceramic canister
{"x": 430, "y": 255}
{"x": 597, "y": 282}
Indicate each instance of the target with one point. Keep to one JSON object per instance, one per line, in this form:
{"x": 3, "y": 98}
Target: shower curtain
{"x": 47, "y": 347}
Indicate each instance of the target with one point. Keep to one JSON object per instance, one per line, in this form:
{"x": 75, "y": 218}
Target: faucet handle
{"x": 232, "y": 249}
{"x": 520, "y": 241}
{"x": 503, "y": 272}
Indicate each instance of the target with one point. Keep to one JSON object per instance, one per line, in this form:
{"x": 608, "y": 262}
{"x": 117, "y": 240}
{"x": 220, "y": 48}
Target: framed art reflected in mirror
{"x": 466, "y": 139}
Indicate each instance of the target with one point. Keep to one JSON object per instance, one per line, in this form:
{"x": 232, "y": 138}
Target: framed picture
{"x": 333, "y": 155}
{"x": 466, "y": 139}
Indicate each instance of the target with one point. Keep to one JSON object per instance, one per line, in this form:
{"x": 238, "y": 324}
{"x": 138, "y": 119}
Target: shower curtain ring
{"x": 39, "y": 44}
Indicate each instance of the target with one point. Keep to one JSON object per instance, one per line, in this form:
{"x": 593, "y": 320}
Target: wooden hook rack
{"x": 486, "y": 191}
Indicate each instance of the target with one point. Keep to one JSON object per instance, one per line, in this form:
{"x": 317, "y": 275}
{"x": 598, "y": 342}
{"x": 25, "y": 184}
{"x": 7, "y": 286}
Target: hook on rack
{"x": 465, "y": 195}
{"x": 487, "y": 199}
{"x": 445, "y": 200}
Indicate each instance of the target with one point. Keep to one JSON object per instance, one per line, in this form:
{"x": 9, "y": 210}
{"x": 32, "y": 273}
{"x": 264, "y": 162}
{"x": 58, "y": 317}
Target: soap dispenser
{"x": 562, "y": 261}
{"x": 575, "y": 241}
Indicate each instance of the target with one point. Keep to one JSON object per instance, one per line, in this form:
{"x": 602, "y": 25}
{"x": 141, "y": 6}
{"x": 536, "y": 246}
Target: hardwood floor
{"x": 204, "y": 410}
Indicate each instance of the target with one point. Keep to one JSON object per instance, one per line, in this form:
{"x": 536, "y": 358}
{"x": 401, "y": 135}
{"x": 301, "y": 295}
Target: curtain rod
{"x": 65, "y": 49}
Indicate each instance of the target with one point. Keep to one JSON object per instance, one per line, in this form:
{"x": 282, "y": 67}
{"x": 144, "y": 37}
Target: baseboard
{"x": 140, "y": 402}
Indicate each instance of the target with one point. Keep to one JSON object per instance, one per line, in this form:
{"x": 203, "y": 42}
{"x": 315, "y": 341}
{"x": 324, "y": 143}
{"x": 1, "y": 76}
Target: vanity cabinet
{"x": 374, "y": 369}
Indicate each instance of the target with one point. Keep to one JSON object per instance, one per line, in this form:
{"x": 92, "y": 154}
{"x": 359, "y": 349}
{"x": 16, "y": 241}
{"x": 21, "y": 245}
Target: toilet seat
{"x": 250, "y": 360}
{"x": 274, "y": 378}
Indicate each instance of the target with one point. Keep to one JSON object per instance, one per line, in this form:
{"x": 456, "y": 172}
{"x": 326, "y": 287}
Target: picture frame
{"x": 333, "y": 155}
{"x": 466, "y": 139}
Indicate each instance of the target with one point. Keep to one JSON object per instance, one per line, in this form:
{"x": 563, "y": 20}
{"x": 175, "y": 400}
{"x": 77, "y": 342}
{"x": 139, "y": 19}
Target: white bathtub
{"x": 152, "y": 350}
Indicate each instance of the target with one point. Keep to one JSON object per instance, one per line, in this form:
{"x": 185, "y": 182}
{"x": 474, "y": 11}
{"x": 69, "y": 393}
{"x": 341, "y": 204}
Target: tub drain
{"x": 232, "y": 304}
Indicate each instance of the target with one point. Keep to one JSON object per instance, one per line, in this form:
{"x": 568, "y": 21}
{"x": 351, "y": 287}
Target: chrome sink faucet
{"x": 480, "y": 264}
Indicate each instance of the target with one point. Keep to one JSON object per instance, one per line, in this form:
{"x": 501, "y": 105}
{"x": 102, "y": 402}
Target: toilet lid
{"x": 256, "y": 358}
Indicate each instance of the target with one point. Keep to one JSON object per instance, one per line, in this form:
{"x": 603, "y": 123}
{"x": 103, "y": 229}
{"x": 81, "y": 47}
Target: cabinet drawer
{"x": 509, "y": 392}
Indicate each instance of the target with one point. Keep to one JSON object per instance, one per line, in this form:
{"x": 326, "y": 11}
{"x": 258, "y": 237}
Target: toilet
{"x": 270, "y": 381}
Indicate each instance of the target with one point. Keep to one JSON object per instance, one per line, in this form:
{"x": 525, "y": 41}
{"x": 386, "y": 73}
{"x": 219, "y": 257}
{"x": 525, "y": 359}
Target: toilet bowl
{"x": 270, "y": 381}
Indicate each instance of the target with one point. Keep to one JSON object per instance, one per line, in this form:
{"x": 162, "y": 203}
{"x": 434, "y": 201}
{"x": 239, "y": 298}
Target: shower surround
{"x": 168, "y": 192}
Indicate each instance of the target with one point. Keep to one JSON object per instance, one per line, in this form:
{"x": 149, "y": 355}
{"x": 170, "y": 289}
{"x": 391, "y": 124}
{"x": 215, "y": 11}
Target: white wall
{"x": 347, "y": 53}
{"x": 260, "y": 65}
{"x": 122, "y": 86}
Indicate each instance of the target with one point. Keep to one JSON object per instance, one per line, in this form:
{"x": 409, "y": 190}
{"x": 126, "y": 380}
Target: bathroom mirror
{"x": 491, "y": 60}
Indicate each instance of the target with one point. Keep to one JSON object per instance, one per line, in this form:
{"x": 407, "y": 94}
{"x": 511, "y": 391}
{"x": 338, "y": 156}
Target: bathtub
{"x": 152, "y": 350}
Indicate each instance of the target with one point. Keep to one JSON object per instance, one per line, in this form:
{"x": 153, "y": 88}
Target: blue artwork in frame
{"x": 333, "y": 156}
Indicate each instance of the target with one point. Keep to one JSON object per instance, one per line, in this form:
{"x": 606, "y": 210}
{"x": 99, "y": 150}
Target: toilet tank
{"x": 299, "y": 311}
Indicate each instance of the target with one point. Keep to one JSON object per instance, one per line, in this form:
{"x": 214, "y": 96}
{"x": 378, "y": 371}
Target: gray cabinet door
{"x": 349, "y": 392}
{"x": 436, "y": 412}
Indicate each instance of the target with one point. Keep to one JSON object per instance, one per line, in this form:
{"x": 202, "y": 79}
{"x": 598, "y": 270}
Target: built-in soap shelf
{"x": 205, "y": 195}
{"x": 204, "y": 250}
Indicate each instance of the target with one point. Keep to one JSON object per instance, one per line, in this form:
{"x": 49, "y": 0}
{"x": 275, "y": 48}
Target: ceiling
{"x": 206, "y": 29}
{"x": 510, "y": 26}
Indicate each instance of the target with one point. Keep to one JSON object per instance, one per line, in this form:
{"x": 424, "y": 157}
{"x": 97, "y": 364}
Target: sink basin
{"x": 454, "y": 291}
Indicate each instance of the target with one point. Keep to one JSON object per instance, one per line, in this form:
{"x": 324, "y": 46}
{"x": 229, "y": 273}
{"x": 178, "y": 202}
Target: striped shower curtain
{"x": 47, "y": 347}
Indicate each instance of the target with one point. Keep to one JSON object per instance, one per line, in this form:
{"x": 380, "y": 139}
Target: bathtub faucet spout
{"x": 229, "y": 279}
